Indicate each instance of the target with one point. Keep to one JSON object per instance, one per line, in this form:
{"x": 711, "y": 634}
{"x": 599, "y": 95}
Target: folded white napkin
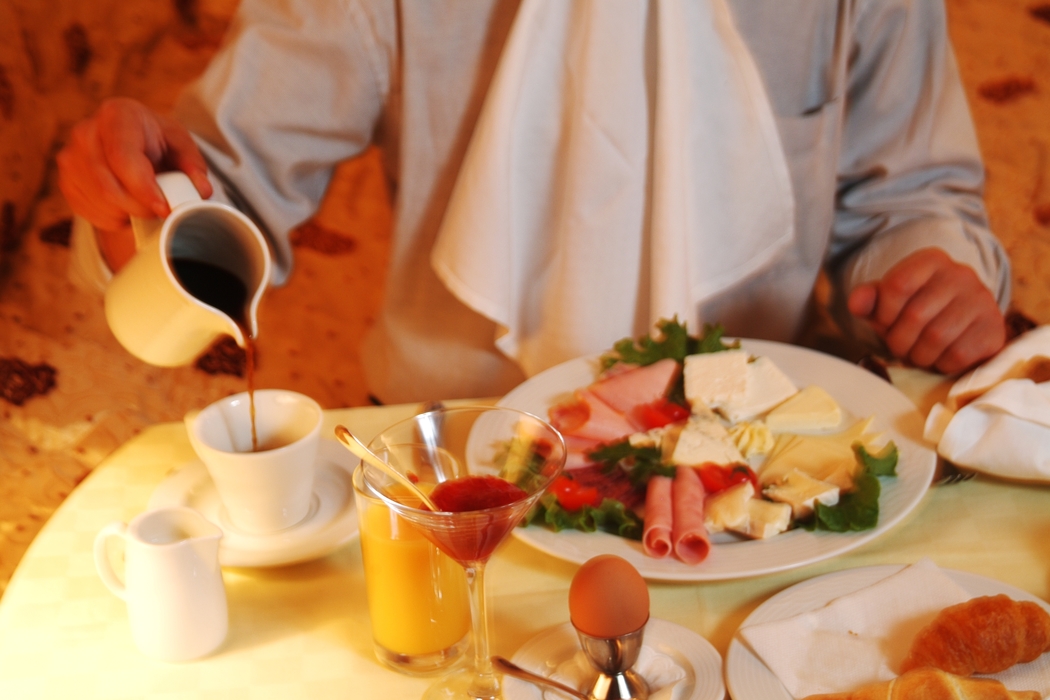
{"x": 996, "y": 419}
{"x": 858, "y": 638}
{"x": 618, "y": 140}
{"x": 1011, "y": 363}
{"x": 661, "y": 672}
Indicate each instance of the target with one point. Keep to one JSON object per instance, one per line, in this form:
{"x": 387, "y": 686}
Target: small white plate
{"x": 750, "y": 679}
{"x": 330, "y": 524}
{"x": 702, "y": 664}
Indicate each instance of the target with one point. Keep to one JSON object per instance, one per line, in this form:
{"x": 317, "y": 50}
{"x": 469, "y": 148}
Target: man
{"x": 873, "y": 171}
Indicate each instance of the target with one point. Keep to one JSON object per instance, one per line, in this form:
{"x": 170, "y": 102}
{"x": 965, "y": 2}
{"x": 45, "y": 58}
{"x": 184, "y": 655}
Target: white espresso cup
{"x": 172, "y": 582}
{"x": 270, "y": 489}
{"x": 197, "y": 275}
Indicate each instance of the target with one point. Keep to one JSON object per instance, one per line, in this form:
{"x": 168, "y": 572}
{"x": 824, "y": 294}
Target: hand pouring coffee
{"x": 198, "y": 274}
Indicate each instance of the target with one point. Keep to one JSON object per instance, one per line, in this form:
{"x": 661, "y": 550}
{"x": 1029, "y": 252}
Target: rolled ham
{"x": 656, "y": 534}
{"x": 690, "y": 542}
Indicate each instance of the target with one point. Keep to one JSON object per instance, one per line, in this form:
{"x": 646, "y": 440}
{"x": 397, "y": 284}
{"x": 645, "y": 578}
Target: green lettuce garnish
{"x": 639, "y": 462}
{"x": 858, "y": 509}
{"x": 611, "y": 516}
{"x": 673, "y": 340}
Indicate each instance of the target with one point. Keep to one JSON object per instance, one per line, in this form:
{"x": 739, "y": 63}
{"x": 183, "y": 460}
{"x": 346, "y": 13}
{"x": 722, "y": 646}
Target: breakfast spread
{"x": 983, "y": 635}
{"x": 681, "y": 437}
{"x": 931, "y": 683}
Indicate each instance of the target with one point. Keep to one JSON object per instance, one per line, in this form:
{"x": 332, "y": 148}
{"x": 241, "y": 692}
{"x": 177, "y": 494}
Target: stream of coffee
{"x": 220, "y": 288}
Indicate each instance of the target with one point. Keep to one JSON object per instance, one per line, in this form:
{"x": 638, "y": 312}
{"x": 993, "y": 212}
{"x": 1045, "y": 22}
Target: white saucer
{"x": 331, "y": 522}
{"x": 692, "y": 653}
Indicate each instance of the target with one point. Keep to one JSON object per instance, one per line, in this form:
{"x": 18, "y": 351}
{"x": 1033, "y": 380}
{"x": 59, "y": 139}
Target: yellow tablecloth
{"x": 303, "y": 632}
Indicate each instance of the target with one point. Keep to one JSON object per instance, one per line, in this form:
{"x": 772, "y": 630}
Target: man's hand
{"x": 933, "y": 312}
{"x": 107, "y": 170}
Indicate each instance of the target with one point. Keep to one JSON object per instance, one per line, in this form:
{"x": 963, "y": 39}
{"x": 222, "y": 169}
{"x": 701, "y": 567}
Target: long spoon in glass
{"x": 352, "y": 443}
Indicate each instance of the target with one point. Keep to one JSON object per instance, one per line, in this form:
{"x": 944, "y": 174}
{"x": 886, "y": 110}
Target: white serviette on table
{"x": 610, "y": 179}
{"x": 996, "y": 418}
{"x": 858, "y": 638}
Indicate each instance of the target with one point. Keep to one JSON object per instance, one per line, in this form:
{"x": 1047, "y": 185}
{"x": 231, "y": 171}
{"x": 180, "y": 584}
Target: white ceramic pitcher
{"x": 151, "y": 312}
{"x": 172, "y": 582}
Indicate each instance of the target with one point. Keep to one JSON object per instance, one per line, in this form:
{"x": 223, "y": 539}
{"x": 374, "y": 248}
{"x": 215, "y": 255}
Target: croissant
{"x": 982, "y": 635}
{"x": 932, "y": 684}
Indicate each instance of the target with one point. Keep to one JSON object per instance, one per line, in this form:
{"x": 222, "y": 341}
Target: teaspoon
{"x": 512, "y": 669}
{"x": 352, "y": 443}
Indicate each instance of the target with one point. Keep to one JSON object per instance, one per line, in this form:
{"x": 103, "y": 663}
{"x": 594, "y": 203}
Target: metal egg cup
{"x": 613, "y": 658}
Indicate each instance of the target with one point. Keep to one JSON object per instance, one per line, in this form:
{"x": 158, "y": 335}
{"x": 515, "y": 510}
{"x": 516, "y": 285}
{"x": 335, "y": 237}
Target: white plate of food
{"x": 747, "y": 678}
{"x": 699, "y": 665}
{"x": 860, "y": 393}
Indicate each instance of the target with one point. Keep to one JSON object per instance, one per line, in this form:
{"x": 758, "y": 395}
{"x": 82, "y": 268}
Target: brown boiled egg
{"x": 608, "y": 597}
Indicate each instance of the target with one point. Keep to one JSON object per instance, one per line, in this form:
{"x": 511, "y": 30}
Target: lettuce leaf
{"x": 883, "y": 463}
{"x": 611, "y": 516}
{"x": 639, "y": 462}
{"x": 858, "y": 509}
{"x": 673, "y": 340}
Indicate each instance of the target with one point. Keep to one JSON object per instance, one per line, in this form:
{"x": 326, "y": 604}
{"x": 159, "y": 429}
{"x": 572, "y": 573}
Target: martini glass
{"x": 485, "y": 468}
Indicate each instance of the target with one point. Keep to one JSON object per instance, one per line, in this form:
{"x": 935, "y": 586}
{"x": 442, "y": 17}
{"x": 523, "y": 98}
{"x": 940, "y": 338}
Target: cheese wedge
{"x": 728, "y": 510}
{"x": 809, "y": 410}
{"x": 801, "y": 492}
{"x": 766, "y": 387}
{"x": 704, "y": 440}
{"x": 716, "y": 378}
{"x": 766, "y": 519}
{"x": 828, "y": 458}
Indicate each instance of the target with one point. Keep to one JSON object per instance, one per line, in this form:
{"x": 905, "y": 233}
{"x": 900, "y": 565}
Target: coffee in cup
{"x": 269, "y": 488}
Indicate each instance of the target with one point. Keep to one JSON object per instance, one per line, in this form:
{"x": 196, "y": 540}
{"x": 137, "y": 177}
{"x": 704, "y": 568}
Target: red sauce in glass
{"x": 475, "y": 493}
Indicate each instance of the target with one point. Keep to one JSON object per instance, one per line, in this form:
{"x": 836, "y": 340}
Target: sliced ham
{"x": 638, "y": 386}
{"x": 604, "y": 423}
{"x": 656, "y": 534}
{"x": 689, "y": 536}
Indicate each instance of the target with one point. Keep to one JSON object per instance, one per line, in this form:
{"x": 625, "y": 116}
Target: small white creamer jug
{"x": 197, "y": 274}
{"x": 172, "y": 582}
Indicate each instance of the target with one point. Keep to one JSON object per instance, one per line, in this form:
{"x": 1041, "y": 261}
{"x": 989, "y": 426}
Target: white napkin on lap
{"x": 996, "y": 418}
{"x": 618, "y": 140}
{"x": 858, "y": 638}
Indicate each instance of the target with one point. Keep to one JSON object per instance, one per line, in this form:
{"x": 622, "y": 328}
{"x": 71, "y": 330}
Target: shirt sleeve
{"x": 910, "y": 173}
{"x": 297, "y": 87}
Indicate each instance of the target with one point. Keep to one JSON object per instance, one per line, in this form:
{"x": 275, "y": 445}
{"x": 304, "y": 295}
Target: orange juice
{"x": 417, "y": 596}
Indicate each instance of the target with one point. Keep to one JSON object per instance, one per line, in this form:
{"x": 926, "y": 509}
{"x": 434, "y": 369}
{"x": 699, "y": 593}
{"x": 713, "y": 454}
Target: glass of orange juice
{"x": 417, "y": 595}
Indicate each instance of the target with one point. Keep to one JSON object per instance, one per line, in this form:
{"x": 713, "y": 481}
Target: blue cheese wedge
{"x": 766, "y": 518}
{"x": 728, "y": 510}
{"x": 801, "y": 492}
{"x": 703, "y": 440}
{"x": 766, "y": 386}
{"x": 809, "y": 410}
{"x": 715, "y": 379}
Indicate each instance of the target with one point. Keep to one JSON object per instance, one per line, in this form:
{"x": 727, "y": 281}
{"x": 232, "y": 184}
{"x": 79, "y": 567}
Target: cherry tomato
{"x": 713, "y": 477}
{"x": 572, "y": 496}
{"x": 716, "y": 477}
{"x": 660, "y": 413}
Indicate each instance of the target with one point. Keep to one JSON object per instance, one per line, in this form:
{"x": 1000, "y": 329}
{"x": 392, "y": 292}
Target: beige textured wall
{"x": 59, "y": 58}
